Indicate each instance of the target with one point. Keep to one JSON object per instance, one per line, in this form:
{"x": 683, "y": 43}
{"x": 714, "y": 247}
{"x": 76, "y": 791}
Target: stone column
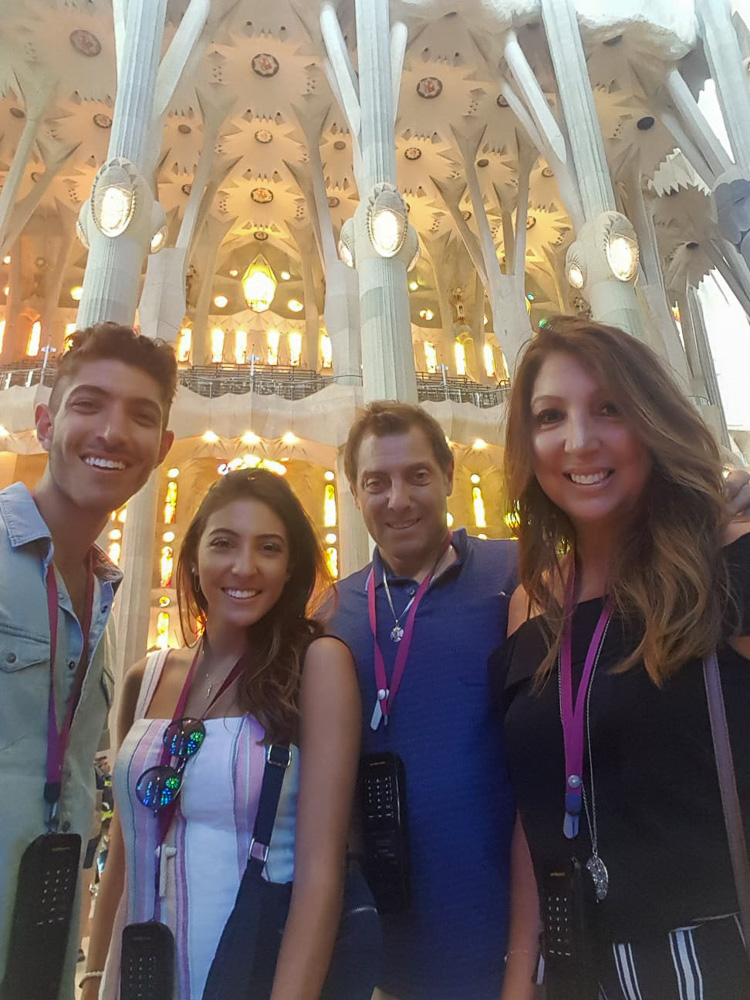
{"x": 611, "y": 300}
{"x": 355, "y": 545}
{"x": 12, "y": 348}
{"x": 725, "y": 60}
{"x": 113, "y": 270}
{"x": 387, "y": 354}
{"x": 133, "y": 606}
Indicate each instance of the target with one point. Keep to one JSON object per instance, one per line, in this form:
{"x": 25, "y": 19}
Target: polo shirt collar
{"x": 459, "y": 541}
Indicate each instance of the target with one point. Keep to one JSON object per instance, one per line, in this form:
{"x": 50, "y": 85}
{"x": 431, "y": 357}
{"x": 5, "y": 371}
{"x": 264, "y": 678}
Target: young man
{"x": 104, "y": 429}
{"x": 451, "y": 942}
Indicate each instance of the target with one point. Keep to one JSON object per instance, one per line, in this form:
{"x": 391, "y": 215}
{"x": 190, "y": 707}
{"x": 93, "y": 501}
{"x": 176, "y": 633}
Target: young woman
{"x": 262, "y": 672}
{"x": 629, "y": 576}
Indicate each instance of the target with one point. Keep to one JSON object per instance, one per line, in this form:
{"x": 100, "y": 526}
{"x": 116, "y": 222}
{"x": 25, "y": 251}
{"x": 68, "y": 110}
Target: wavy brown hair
{"x": 269, "y": 687}
{"x": 668, "y": 575}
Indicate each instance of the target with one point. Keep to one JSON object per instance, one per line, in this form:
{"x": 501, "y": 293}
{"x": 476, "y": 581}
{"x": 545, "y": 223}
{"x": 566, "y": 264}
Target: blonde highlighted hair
{"x": 668, "y": 574}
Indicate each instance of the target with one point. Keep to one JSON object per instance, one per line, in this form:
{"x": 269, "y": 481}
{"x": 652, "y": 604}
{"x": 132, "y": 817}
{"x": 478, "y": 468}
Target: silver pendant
{"x": 397, "y": 633}
{"x": 599, "y": 875}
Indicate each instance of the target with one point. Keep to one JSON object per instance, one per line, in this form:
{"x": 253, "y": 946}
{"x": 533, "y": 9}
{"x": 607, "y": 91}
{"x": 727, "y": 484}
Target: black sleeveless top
{"x": 659, "y": 816}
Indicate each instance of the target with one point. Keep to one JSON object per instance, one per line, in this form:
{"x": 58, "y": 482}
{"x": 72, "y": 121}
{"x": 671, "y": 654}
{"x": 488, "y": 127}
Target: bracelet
{"x": 90, "y": 975}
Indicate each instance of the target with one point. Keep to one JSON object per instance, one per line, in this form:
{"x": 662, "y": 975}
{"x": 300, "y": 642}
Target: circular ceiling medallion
{"x": 18, "y": 112}
{"x": 645, "y": 123}
{"x": 333, "y": 201}
{"x": 429, "y": 87}
{"x": 484, "y": 162}
{"x": 262, "y": 196}
{"x": 261, "y": 235}
{"x": 35, "y": 175}
{"x": 264, "y": 136}
{"x": 184, "y": 129}
{"x": 548, "y": 172}
{"x": 501, "y": 101}
{"x": 692, "y": 245}
{"x": 466, "y": 214}
{"x": 412, "y": 153}
{"x": 339, "y": 144}
{"x": 102, "y": 121}
{"x": 264, "y": 64}
{"x": 85, "y": 43}
{"x": 187, "y": 188}
{"x": 530, "y": 221}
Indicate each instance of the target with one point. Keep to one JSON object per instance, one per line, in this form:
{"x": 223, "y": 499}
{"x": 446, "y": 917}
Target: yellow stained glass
{"x": 332, "y": 561}
{"x": 162, "y": 630}
{"x": 170, "y": 503}
{"x": 330, "y": 517}
{"x": 166, "y": 566}
{"x": 480, "y": 518}
{"x": 326, "y": 350}
{"x": 460, "y": 354}
{"x": 430, "y": 356}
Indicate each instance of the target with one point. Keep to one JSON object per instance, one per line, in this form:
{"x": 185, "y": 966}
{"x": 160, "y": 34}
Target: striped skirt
{"x": 705, "y": 961}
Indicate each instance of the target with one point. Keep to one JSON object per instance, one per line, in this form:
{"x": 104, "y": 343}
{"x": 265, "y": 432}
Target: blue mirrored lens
{"x": 158, "y": 786}
{"x": 184, "y": 737}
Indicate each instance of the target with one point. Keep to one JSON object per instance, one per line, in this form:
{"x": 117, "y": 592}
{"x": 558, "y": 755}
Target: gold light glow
{"x": 259, "y": 284}
{"x": 329, "y": 476}
{"x": 430, "y": 356}
{"x": 114, "y": 552}
{"x": 331, "y": 538}
{"x": 217, "y": 344}
{"x": 479, "y": 444}
{"x": 166, "y": 566}
{"x": 35, "y": 339}
{"x": 170, "y": 503}
{"x": 295, "y": 347}
{"x": 290, "y": 438}
{"x": 326, "y": 351}
{"x": 162, "y": 630}
{"x": 285, "y": 276}
{"x": 330, "y": 517}
{"x": 173, "y": 473}
{"x": 233, "y": 272}
{"x": 459, "y": 351}
{"x": 427, "y": 314}
{"x": 184, "y": 344}
{"x": 6, "y": 259}
{"x": 123, "y": 515}
{"x": 249, "y": 437}
{"x": 115, "y": 535}
{"x": 240, "y": 347}
{"x": 480, "y": 518}
{"x": 332, "y": 561}
{"x": 295, "y": 305}
{"x": 168, "y": 536}
{"x": 70, "y": 329}
{"x": 76, "y": 293}
{"x": 220, "y": 301}
{"x": 210, "y": 437}
{"x": 449, "y": 519}
{"x": 116, "y": 211}
{"x": 413, "y": 285}
{"x": 252, "y": 462}
{"x": 272, "y": 339}
{"x": 489, "y": 360}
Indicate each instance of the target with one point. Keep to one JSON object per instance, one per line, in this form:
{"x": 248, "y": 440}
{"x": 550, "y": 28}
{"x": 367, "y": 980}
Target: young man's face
{"x": 106, "y": 434}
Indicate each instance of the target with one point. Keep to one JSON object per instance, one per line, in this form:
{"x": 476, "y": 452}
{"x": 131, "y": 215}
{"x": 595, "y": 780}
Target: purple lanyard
{"x": 166, "y": 815}
{"x": 59, "y": 737}
{"x": 387, "y": 693}
{"x": 573, "y": 715}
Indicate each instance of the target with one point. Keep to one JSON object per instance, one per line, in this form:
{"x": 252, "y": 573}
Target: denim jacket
{"x": 25, "y": 553}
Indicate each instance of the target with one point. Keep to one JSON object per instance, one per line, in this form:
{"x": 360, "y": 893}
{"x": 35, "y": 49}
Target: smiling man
{"x": 450, "y": 941}
{"x": 104, "y": 429}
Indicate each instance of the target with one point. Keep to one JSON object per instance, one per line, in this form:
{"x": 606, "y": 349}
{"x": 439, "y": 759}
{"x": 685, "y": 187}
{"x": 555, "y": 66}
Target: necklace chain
{"x": 397, "y": 632}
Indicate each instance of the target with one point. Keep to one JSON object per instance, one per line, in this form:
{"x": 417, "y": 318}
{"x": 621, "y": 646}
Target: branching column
{"x": 387, "y": 354}
{"x": 612, "y": 300}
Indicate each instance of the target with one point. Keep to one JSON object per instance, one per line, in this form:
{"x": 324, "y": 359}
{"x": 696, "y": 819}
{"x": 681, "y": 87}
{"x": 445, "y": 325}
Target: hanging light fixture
{"x": 114, "y": 195}
{"x": 387, "y": 222}
{"x": 346, "y": 243}
{"x": 259, "y": 284}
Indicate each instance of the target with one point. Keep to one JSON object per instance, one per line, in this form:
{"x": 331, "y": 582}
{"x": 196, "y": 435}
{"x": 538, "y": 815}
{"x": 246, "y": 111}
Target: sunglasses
{"x": 158, "y": 786}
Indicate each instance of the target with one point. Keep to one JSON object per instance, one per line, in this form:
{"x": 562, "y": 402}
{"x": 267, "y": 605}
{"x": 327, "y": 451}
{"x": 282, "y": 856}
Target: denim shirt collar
{"x": 26, "y": 525}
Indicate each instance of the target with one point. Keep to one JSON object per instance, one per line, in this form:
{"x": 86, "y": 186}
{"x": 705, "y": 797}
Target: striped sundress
{"x": 208, "y": 841}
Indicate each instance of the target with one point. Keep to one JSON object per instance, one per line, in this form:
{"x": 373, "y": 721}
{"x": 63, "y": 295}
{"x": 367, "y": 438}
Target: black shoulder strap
{"x": 278, "y": 759}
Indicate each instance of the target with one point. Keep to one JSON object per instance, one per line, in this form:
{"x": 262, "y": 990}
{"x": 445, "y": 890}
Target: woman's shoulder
{"x": 736, "y": 531}
{"x": 328, "y": 649}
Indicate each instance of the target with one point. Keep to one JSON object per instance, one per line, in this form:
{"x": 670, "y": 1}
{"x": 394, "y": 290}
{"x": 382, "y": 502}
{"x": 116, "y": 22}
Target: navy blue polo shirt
{"x": 444, "y": 726}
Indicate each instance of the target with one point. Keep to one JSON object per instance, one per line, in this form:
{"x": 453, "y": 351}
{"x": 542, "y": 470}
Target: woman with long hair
{"x": 260, "y": 673}
{"x": 630, "y": 576}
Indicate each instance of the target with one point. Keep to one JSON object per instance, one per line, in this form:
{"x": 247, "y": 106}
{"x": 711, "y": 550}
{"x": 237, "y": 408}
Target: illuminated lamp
{"x": 622, "y": 257}
{"x": 346, "y": 243}
{"x": 295, "y": 305}
{"x": 76, "y": 293}
{"x": 387, "y": 222}
{"x": 210, "y": 437}
{"x": 413, "y": 285}
{"x": 158, "y": 228}
{"x": 250, "y": 438}
{"x": 259, "y": 285}
{"x": 575, "y": 268}
{"x": 220, "y": 301}
{"x": 114, "y": 196}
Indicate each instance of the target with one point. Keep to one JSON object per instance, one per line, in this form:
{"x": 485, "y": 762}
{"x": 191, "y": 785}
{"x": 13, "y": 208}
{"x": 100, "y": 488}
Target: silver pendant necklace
{"x": 397, "y": 632}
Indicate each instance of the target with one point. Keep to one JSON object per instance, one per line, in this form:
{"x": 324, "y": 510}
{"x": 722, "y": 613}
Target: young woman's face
{"x": 587, "y": 458}
{"x": 243, "y": 563}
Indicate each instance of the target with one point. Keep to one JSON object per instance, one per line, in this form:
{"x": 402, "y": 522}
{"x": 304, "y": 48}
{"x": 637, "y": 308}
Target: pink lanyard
{"x": 58, "y": 738}
{"x": 386, "y": 693}
{"x": 166, "y": 814}
{"x": 573, "y": 716}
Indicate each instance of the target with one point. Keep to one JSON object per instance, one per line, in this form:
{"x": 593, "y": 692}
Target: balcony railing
{"x": 268, "y": 380}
